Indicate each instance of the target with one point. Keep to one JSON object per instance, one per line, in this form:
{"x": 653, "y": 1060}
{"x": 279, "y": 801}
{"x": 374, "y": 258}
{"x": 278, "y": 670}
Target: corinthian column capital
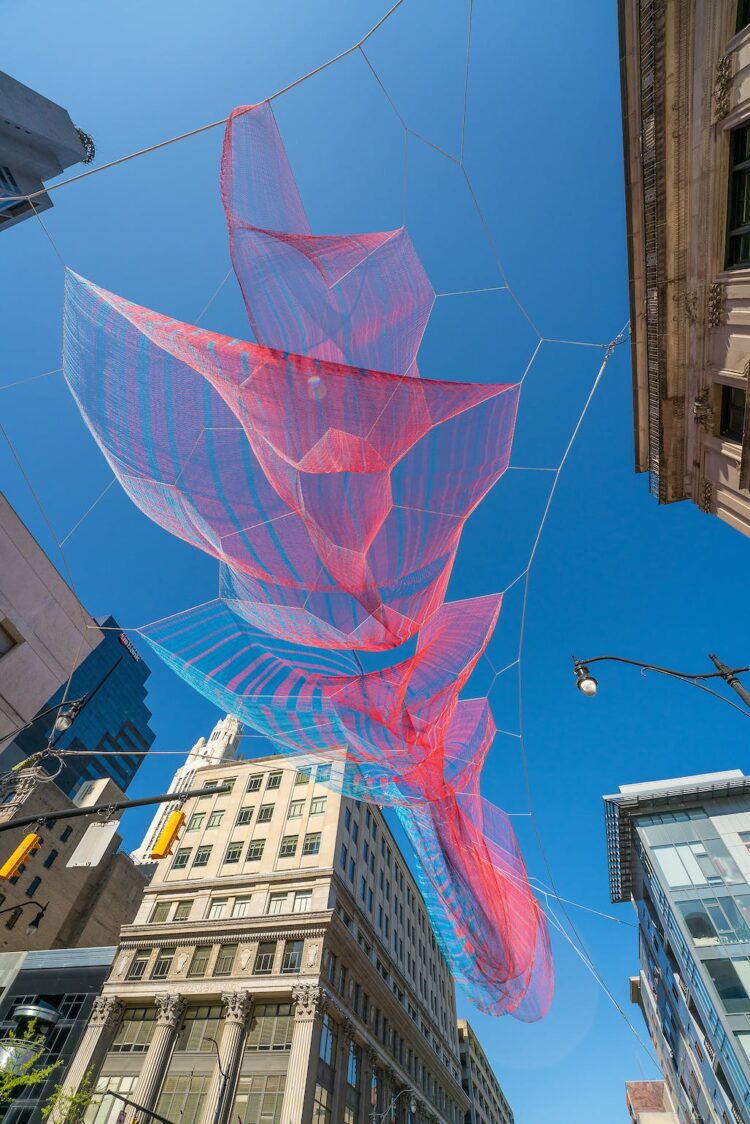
{"x": 169, "y": 1010}
{"x": 239, "y": 1006}
{"x": 309, "y": 1001}
{"x": 106, "y": 1012}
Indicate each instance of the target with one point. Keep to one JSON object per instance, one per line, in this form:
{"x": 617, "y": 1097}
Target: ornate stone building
{"x": 281, "y": 968}
{"x": 489, "y": 1105}
{"x": 686, "y": 112}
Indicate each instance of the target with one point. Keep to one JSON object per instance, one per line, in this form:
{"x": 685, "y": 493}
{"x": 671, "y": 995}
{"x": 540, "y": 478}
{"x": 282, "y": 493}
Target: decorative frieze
{"x": 703, "y": 411}
{"x": 722, "y": 87}
{"x": 716, "y": 297}
{"x": 192, "y": 940}
{"x": 707, "y": 499}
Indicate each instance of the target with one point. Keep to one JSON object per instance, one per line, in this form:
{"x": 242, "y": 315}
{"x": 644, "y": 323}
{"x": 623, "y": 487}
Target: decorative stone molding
{"x": 170, "y": 1009}
{"x": 346, "y": 1032}
{"x": 703, "y": 411}
{"x": 707, "y": 499}
{"x": 106, "y": 1012}
{"x": 309, "y": 1001}
{"x": 715, "y": 304}
{"x": 722, "y": 87}
{"x": 239, "y": 1006}
{"x": 224, "y": 936}
{"x": 691, "y": 305}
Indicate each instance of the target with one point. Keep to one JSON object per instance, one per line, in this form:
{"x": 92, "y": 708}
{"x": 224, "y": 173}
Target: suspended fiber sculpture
{"x": 332, "y": 483}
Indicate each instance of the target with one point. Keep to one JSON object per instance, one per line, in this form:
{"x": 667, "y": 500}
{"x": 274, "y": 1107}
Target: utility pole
{"x": 729, "y": 677}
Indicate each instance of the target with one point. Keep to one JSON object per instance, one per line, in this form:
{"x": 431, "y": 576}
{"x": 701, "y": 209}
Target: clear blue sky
{"x": 614, "y": 572}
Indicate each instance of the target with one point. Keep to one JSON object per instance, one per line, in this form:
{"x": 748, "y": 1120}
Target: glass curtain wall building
{"x": 114, "y": 720}
{"x": 680, "y": 851}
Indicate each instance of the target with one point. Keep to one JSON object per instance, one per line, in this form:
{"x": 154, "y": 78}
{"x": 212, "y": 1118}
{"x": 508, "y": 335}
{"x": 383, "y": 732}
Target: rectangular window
{"x": 254, "y": 782}
{"x": 730, "y": 978}
{"x": 343, "y": 857}
{"x": 321, "y": 1106}
{"x": 49, "y": 861}
{"x": 271, "y": 1027}
{"x": 291, "y": 961}
{"x": 264, "y": 958}
{"x": 202, "y": 855}
{"x": 199, "y": 962}
{"x": 265, "y": 812}
{"x": 134, "y": 1032}
{"x": 347, "y": 818}
{"x": 355, "y": 832}
{"x": 259, "y": 1099}
{"x": 233, "y": 853}
{"x": 323, "y": 774}
{"x": 214, "y": 820}
{"x": 195, "y": 821}
{"x": 241, "y": 907}
{"x": 200, "y": 1025}
{"x": 65, "y": 834}
{"x": 703, "y": 863}
{"x": 288, "y": 847}
{"x": 732, "y": 424}
{"x": 352, "y": 861}
{"x": 182, "y": 1098}
{"x": 311, "y": 846}
{"x": 255, "y": 850}
{"x": 244, "y": 816}
{"x": 295, "y": 809}
{"x": 743, "y": 15}
{"x": 277, "y": 903}
{"x": 274, "y": 780}
{"x": 362, "y": 888}
{"x": 162, "y": 964}
{"x": 137, "y": 966}
{"x": 318, "y": 805}
{"x": 302, "y": 901}
{"x": 328, "y": 1040}
{"x": 303, "y": 776}
{"x": 33, "y": 886}
{"x": 353, "y": 1065}
{"x": 160, "y": 913}
{"x": 738, "y": 225}
{"x": 217, "y": 908}
{"x": 183, "y": 910}
{"x": 182, "y": 857}
{"x": 225, "y": 960}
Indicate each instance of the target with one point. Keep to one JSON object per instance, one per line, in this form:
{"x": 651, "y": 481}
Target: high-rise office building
{"x": 679, "y": 850}
{"x": 487, "y": 1102}
{"x": 286, "y": 928}
{"x": 45, "y": 632}
{"x": 38, "y": 141}
{"x": 223, "y": 745}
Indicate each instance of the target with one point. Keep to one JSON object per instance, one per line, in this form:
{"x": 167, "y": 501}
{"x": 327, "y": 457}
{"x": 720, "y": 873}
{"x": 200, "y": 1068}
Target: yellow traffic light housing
{"x": 25, "y": 849}
{"x": 168, "y": 835}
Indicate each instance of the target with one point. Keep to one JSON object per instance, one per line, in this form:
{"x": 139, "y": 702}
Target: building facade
{"x": 58, "y": 989}
{"x": 686, "y": 121}
{"x": 85, "y": 905}
{"x": 679, "y": 850}
{"x": 38, "y": 141}
{"x": 223, "y": 745}
{"x": 286, "y": 929}
{"x": 487, "y": 1102}
{"x": 649, "y": 1102}
{"x": 45, "y": 632}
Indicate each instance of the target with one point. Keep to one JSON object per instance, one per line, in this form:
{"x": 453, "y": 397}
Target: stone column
{"x": 103, "y": 1020}
{"x": 239, "y": 1005}
{"x": 170, "y": 1010}
{"x": 309, "y": 1008}
{"x": 340, "y": 1062}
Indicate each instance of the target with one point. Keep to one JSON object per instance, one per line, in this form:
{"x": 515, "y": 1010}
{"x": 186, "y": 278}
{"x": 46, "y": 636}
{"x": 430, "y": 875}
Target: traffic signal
{"x": 168, "y": 835}
{"x": 25, "y": 849}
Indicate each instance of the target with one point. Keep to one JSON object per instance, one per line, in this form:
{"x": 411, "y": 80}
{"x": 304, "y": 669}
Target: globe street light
{"x": 587, "y": 685}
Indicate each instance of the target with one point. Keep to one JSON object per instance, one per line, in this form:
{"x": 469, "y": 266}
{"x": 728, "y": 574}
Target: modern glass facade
{"x": 680, "y": 852}
{"x": 114, "y": 721}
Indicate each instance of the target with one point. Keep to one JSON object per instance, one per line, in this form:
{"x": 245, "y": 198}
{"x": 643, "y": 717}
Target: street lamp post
{"x": 35, "y": 921}
{"x": 223, "y": 1084}
{"x": 588, "y": 685}
{"x": 379, "y": 1117}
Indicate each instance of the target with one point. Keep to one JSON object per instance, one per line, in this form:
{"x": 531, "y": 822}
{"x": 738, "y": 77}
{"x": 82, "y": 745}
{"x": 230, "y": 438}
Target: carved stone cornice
{"x": 722, "y": 87}
{"x": 239, "y": 1006}
{"x": 703, "y": 413}
{"x": 169, "y": 1010}
{"x": 106, "y": 1012}
{"x": 346, "y": 1033}
{"x": 309, "y": 1001}
{"x": 223, "y": 936}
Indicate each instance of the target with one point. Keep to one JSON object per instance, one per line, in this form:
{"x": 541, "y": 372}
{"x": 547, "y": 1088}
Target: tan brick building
{"x": 686, "y": 111}
{"x": 286, "y": 928}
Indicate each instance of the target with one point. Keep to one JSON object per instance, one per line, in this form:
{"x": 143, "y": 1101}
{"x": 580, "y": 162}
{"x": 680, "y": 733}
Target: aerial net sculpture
{"x": 332, "y": 483}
